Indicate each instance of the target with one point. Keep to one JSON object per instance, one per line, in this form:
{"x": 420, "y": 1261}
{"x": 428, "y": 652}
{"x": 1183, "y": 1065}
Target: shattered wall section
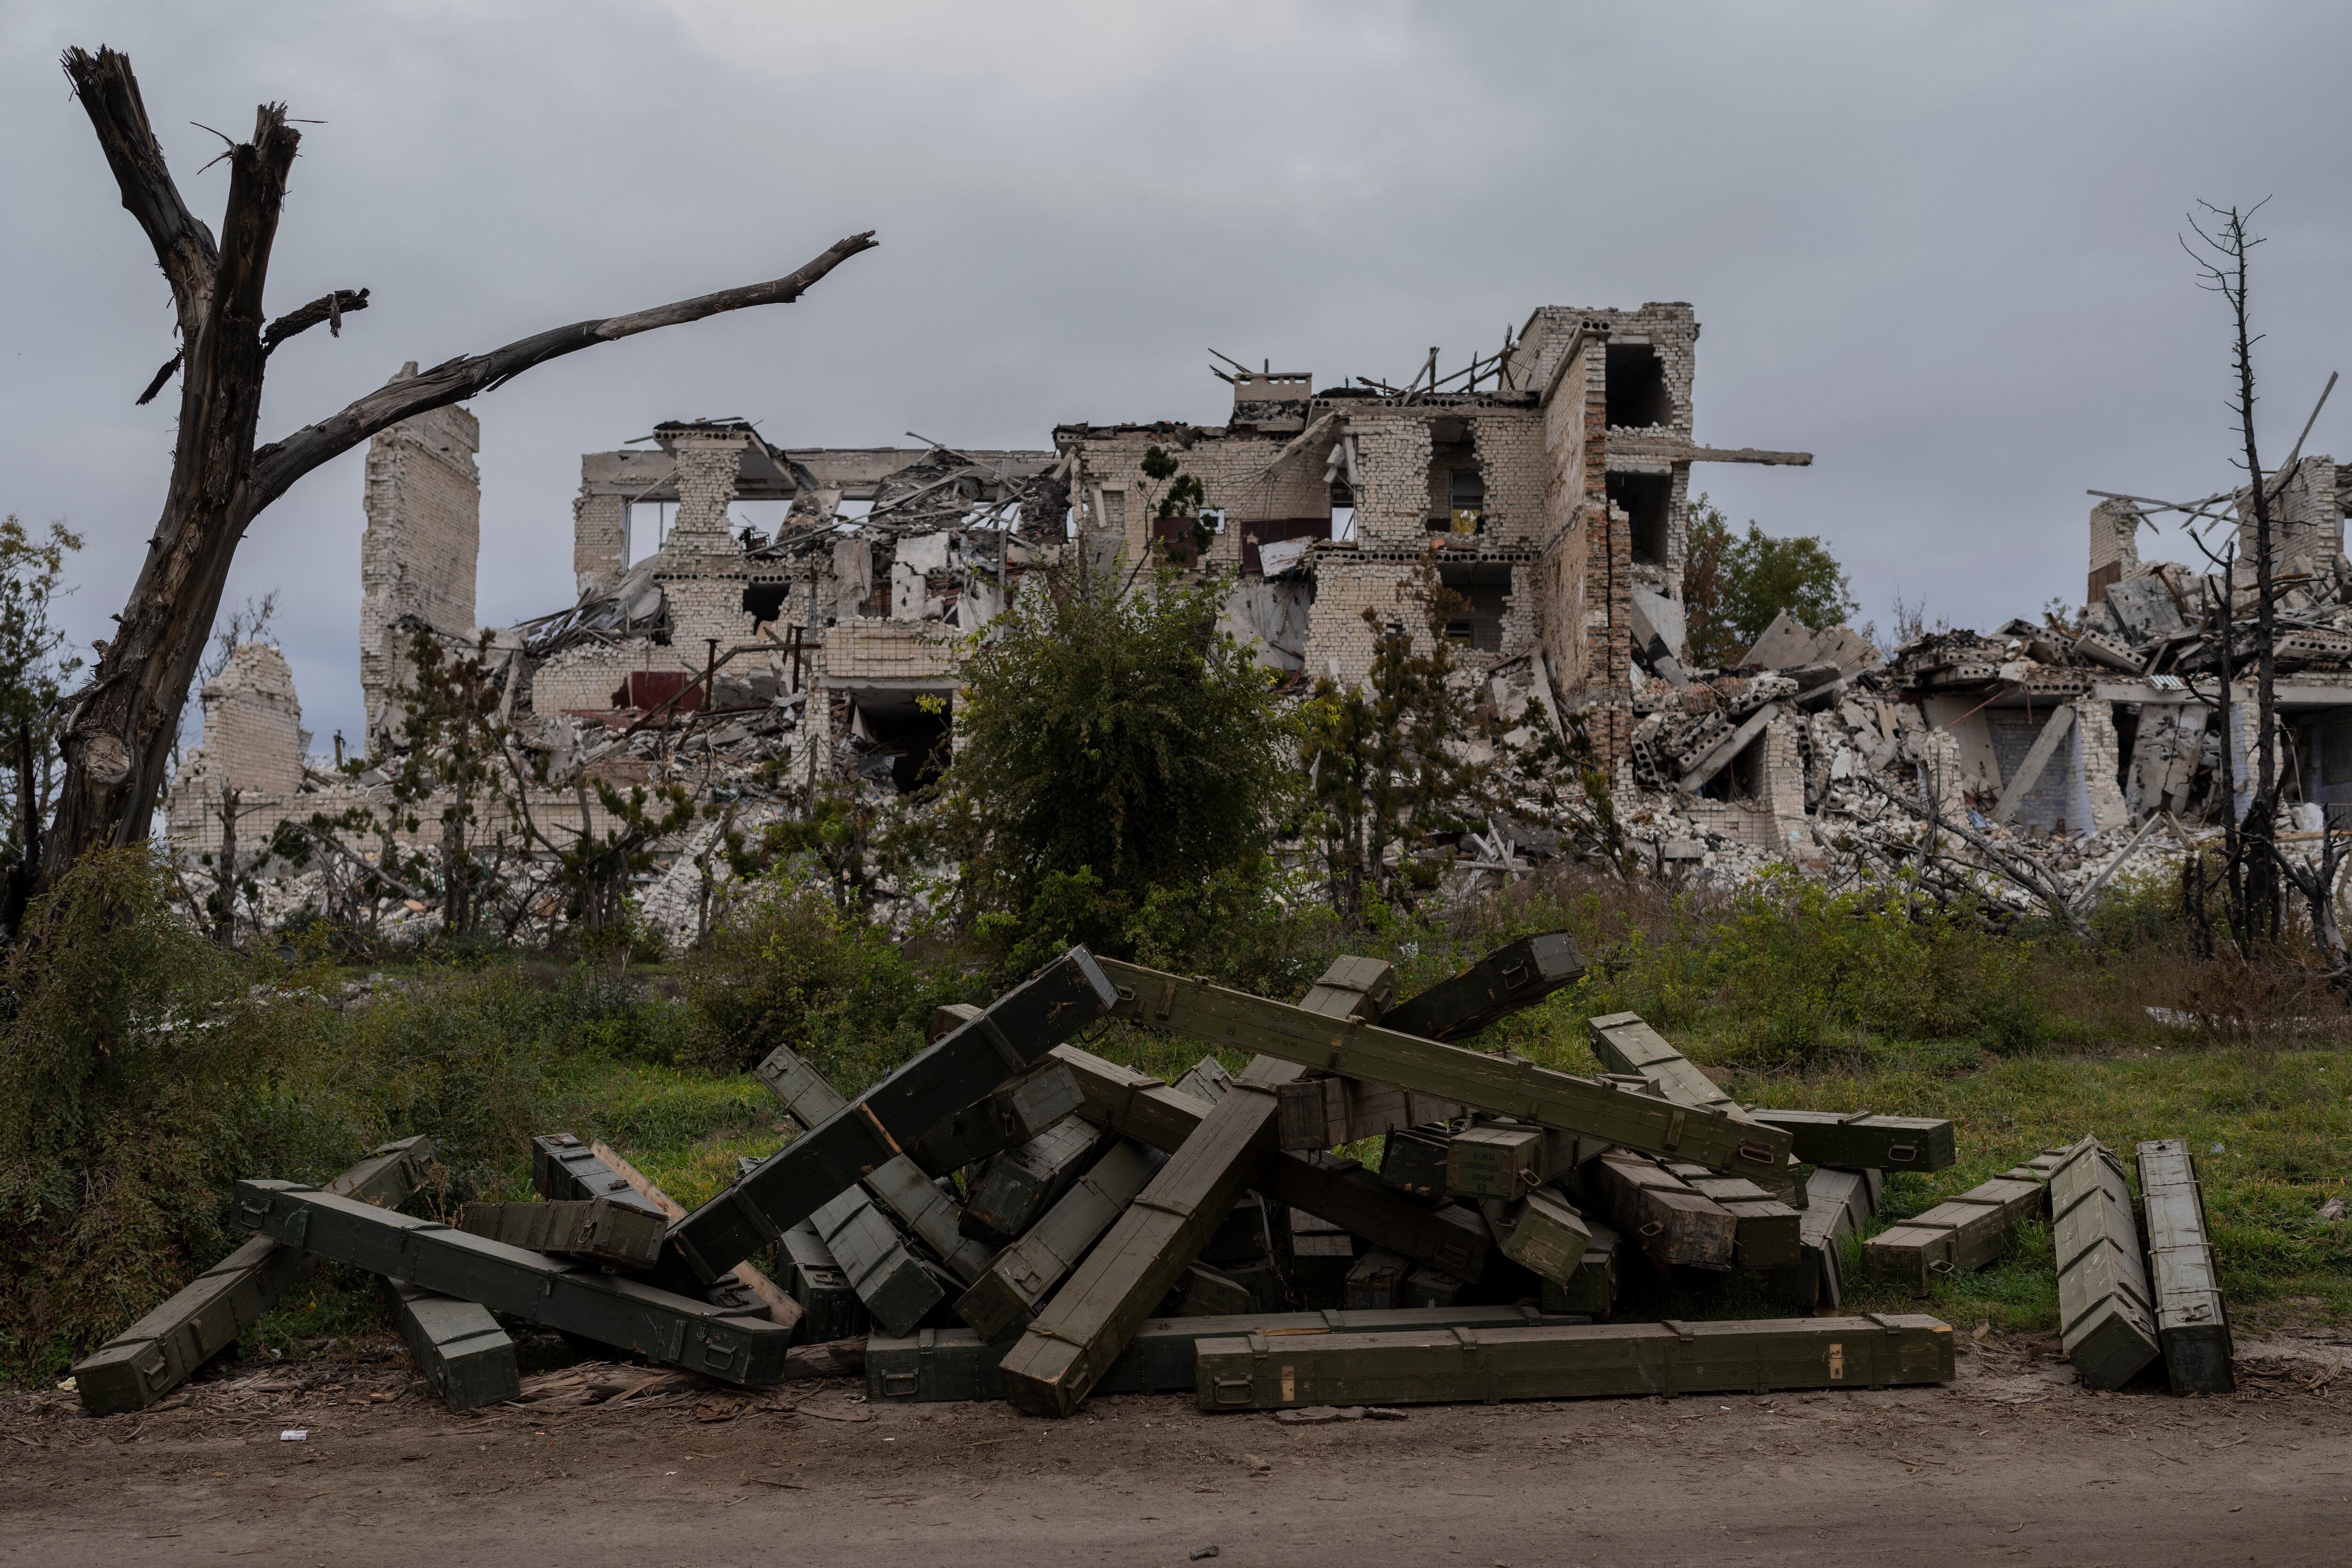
{"x": 254, "y": 741}
{"x": 2115, "y": 546}
{"x": 418, "y": 557}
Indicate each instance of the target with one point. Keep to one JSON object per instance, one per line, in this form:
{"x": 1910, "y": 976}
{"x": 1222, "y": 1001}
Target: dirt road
{"x": 2012, "y": 1464}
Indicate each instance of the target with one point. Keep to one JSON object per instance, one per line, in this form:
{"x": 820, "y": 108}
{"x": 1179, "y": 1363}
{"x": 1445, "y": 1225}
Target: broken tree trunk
{"x": 116, "y": 732}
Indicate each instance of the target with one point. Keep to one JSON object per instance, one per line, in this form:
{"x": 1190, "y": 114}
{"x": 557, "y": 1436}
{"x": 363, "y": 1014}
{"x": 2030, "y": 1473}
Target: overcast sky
{"x": 1932, "y": 245}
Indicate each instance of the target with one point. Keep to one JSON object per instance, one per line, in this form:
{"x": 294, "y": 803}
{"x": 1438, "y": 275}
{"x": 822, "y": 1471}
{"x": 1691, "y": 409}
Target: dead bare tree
{"x": 117, "y": 732}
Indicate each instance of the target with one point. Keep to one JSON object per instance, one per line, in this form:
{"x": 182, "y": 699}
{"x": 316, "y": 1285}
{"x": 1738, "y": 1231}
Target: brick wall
{"x": 1115, "y": 498}
{"x": 600, "y": 541}
{"x": 1393, "y": 482}
{"x": 423, "y": 500}
{"x": 253, "y": 737}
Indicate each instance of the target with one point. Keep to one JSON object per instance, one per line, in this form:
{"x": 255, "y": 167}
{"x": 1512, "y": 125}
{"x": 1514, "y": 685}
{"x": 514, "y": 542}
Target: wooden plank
{"x": 1658, "y": 1213}
{"x": 2106, "y": 1319}
{"x": 779, "y": 1306}
{"x": 1515, "y": 975}
{"x": 957, "y": 1363}
{"x": 1003, "y": 1299}
{"x": 2192, "y": 1320}
{"x": 612, "y": 1309}
{"x": 1504, "y": 1086}
{"x": 1262, "y": 1371}
{"x": 1860, "y": 1140}
{"x": 1003, "y": 1042}
{"x": 163, "y": 1348}
{"x": 467, "y": 1358}
{"x": 624, "y": 1235}
{"x": 1337, "y": 1189}
{"x": 2037, "y": 757}
{"x": 1962, "y": 1233}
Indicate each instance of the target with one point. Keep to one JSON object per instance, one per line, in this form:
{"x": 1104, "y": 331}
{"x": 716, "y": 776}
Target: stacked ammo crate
{"x": 1009, "y": 1216}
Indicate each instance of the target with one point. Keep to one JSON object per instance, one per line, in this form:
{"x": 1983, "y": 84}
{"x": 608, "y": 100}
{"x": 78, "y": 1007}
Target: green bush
{"x": 142, "y": 1073}
{"x": 791, "y": 968}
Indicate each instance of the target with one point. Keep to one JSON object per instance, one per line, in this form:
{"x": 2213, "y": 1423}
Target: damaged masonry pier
{"x": 1546, "y": 485}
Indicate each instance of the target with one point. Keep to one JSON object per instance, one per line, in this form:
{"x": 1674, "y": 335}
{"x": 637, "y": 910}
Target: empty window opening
{"x": 908, "y": 737}
{"x": 1645, "y": 500}
{"x": 1637, "y": 387}
{"x": 1343, "y": 523}
{"x": 760, "y": 519}
{"x": 1483, "y": 593}
{"x": 1457, "y": 493}
{"x": 649, "y": 524}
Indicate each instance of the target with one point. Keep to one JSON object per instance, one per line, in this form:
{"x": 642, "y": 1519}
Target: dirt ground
{"x": 2013, "y": 1463}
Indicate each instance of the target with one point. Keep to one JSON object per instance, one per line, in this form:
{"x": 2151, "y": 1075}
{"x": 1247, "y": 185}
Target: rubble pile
{"x": 1009, "y": 1216}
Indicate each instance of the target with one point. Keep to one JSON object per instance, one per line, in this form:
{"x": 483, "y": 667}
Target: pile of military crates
{"x": 1008, "y": 1216}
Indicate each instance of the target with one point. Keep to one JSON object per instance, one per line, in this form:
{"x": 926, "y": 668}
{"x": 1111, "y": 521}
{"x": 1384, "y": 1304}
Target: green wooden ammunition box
{"x": 1011, "y": 1116}
{"x": 595, "y": 1227}
{"x": 1352, "y": 987}
{"x": 1323, "y": 1113}
{"x": 1321, "y": 1253}
{"x": 2192, "y": 1321}
{"x": 1659, "y": 1213}
{"x": 892, "y": 1281}
{"x": 1207, "y": 1081}
{"x": 1414, "y": 1161}
{"x": 900, "y": 1181}
{"x": 1376, "y": 1282}
{"x": 1500, "y": 1162}
{"x": 813, "y": 1277}
{"x": 1019, "y": 1184}
{"x": 1623, "y": 1043}
{"x": 1767, "y": 1233}
{"x": 1003, "y": 1299}
{"x": 1501, "y": 1086}
{"x": 163, "y": 1348}
{"x": 1518, "y": 975}
{"x": 1208, "y": 1292}
{"x": 1839, "y": 1204}
{"x": 935, "y": 1219}
{"x": 1261, "y": 1372}
{"x": 1961, "y": 1233}
{"x": 1427, "y": 1288}
{"x": 1077, "y": 1335}
{"x": 1323, "y": 1184}
{"x": 1003, "y": 1042}
{"x": 1592, "y": 1291}
{"x": 2106, "y": 1320}
{"x": 612, "y": 1309}
{"x": 564, "y": 1169}
{"x": 1542, "y": 1233}
{"x": 457, "y": 1346}
{"x": 1864, "y": 1141}
{"x": 1255, "y": 1230}
{"x": 956, "y": 1363}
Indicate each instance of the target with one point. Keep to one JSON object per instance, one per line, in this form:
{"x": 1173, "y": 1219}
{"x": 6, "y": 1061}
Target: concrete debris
{"x": 754, "y": 623}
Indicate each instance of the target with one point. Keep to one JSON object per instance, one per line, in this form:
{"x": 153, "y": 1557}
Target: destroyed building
{"x": 1546, "y": 485}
